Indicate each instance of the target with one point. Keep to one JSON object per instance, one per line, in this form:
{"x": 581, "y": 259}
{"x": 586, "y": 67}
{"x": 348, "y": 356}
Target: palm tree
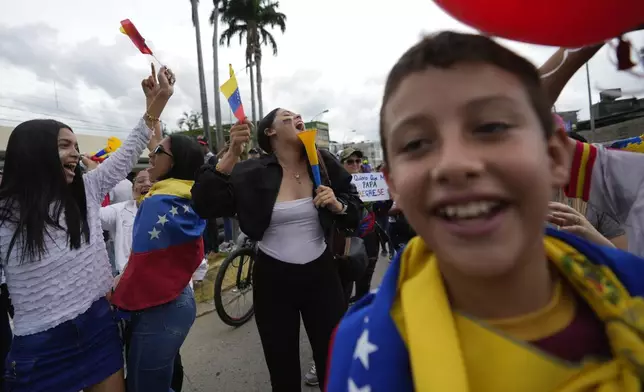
{"x": 253, "y": 18}
{"x": 219, "y": 7}
{"x": 189, "y": 120}
{"x": 202, "y": 77}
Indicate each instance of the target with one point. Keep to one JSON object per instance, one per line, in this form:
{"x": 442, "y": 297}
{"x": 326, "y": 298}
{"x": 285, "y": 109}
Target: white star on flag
{"x": 174, "y": 211}
{"x": 154, "y": 233}
{"x": 162, "y": 220}
{"x": 354, "y": 388}
{"x": 186, "y": 208}
{"x": 364, "y": 348}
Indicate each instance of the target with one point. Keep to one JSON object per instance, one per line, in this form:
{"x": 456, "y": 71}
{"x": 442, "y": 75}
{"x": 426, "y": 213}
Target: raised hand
{"x": 149, "y": 85}
{"x": 570, "y": 220}
{"x": 88, "y": 162}
{"x": 239, "y": 136}
{"x": 326, "y": 198}
{"x": 157, "y": 93}
{"x": 166, "y": 81}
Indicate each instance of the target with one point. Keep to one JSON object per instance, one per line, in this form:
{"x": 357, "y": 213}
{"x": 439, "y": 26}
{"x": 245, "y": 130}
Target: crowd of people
{"x": 99, "y": 269}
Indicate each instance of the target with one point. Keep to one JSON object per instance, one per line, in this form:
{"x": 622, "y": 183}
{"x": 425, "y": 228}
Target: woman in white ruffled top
{"x": 54, "y": 256}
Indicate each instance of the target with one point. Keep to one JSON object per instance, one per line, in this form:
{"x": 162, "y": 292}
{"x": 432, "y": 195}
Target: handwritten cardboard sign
{"x": 372, "y": 186}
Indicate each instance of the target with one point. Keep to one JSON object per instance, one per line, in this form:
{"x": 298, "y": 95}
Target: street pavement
{"x": 217, "y": 357}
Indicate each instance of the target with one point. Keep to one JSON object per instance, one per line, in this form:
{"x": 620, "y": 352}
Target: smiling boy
{"x": 482, "y": 300}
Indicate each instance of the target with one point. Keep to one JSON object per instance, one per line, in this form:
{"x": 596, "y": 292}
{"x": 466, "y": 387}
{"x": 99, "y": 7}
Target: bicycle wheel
{"x": 232, "y": 285}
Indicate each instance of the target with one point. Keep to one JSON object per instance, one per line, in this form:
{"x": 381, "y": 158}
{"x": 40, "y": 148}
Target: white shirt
{"x": 118, "y": 219}
{"x": 66, "y": 282}
{"x": 121, "y": 192}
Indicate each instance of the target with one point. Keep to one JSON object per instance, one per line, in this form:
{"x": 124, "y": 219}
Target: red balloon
{"x": 566, "y": 23}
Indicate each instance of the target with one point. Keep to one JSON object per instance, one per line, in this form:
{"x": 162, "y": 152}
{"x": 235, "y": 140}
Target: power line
{"x": 65, "y": 117}
{"x": 63, "y": 110}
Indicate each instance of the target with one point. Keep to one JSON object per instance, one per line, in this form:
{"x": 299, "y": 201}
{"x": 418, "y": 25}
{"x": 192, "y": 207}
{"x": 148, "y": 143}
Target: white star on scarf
{"x": 162, "y": 220}
{"x": 154, "y": 233}
{"x": 174, "y": 211}
{"x": 186, "y": 208}
{"x": 354, "y": 388}
{"x": 364, "y": 348}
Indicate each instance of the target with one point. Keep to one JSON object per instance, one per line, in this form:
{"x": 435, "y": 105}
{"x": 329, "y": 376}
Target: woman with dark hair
{"x": 54, "y": 256}
{"x": 167, "y": 248}
{"x": 277, "y": 205}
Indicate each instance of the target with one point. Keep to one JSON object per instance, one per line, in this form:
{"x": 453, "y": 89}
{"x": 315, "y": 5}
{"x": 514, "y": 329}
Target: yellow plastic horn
{"x": 308, "y": 139}
{"x": 113, "y": 143}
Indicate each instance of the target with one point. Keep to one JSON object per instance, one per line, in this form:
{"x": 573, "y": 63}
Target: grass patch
{"x": 204, "y": 291}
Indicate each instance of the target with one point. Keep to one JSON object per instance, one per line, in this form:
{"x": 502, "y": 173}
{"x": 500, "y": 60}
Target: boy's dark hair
{"x": 578, "y": 137}
{"x": 447, "y": 49}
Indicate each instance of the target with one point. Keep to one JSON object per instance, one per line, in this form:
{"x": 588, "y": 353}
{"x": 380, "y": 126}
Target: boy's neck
{"x": 526, "y": 289}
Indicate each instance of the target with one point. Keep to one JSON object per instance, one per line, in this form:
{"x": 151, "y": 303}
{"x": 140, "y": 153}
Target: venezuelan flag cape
{"x": 369, "y": 354}
{"x": 634, "y": 144}
{"x": 167, "y": 247}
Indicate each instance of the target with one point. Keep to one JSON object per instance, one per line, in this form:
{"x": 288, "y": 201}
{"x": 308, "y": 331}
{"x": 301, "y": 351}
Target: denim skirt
{"x": 70, "y": 357}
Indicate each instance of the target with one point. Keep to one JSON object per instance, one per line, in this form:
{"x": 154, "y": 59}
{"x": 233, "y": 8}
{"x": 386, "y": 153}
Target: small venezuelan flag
{"x": 230, "y": 89}
{"x": 130, "y": 30}
{"x": 581, "y": 171}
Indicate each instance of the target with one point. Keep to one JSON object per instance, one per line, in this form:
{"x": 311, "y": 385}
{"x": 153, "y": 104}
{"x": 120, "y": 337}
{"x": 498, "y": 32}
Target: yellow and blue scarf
{"x": 406, "y": 337}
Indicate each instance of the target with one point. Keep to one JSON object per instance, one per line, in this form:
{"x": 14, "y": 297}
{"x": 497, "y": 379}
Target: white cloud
{"x": 67, "y": 58}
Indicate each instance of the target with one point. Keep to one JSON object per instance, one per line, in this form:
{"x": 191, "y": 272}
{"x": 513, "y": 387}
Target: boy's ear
{"x": 561, "y": 149}
{"x": 390, "y": 183}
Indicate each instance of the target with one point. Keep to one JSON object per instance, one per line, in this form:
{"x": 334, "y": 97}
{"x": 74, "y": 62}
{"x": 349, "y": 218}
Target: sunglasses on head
{"x": 160, "y": 150}
{"x": 353, "y": 161}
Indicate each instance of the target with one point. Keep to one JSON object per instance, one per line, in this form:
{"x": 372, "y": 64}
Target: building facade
{"x": 370, "y": 149}
{"x": 322, "y": 139}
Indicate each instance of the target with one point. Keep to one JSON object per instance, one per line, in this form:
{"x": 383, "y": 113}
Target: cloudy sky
{"x": 66, "y": 59}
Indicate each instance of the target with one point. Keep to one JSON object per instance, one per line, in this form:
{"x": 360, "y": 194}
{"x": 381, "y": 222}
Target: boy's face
{"x": 470, "y": 168}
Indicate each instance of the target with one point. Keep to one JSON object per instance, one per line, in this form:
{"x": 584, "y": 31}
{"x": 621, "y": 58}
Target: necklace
{"x": 297, "y": 178}
{"x": 295, "y": 175}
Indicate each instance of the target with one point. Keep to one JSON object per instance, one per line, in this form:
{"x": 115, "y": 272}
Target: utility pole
{"x": 590, "y": 101}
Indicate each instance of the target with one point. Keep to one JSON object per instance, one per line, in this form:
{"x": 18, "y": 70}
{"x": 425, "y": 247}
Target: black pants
{"x": 372, "y": 246}
{"x": 383, "y": 233}
{"x": 211, "y": 237}
{"x": 282, "y": 292}
{"x": 347, "y": 285}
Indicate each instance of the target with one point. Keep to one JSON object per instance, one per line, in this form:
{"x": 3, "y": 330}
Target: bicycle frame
{"x": 247, "y": 243}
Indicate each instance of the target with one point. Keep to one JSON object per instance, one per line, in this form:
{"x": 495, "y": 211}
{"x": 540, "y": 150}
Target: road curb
{"x": 204, "y": 312}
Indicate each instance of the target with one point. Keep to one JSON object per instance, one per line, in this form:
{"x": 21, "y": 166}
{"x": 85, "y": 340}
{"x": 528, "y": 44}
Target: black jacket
{"x": 251, "y": 190}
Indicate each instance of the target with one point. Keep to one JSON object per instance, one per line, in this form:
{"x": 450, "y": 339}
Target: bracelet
{"x": 218, "y": 168}
{"x": 151, "y": 118}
